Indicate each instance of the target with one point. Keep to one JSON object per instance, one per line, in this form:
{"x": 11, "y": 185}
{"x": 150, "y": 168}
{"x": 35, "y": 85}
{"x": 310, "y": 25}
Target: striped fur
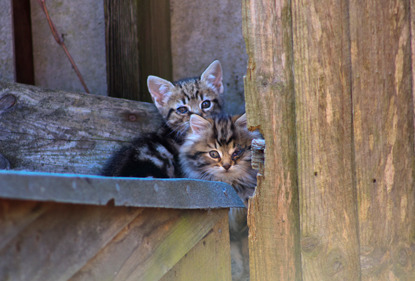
{"x": 156, "y": 155}
{"x": 219, "y": 149}
{"x": 227, "y": 138}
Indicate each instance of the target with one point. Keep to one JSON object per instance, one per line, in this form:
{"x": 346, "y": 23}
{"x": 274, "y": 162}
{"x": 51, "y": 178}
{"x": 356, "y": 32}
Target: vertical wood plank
{"x": 208, "y": 260}
{"x": 138, "y": 44}
{"x": 154, "y": 42}
{"x": 22, "y": 25}
{"x": 122, "y": 48}
{"x": 273, "y": 217}
{"x": 384, "y": 140}
{"x": 329, "y": 234}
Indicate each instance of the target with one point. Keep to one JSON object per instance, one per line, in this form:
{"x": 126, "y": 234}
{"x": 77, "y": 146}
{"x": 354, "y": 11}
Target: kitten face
{"x": 219, "y": 149}
{"x": 177, "y": 101}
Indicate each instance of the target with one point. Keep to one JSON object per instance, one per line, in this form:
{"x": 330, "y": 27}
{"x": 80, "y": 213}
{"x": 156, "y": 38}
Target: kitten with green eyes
{"x": 219, "y": 149}
{"x": 156, "y": 155}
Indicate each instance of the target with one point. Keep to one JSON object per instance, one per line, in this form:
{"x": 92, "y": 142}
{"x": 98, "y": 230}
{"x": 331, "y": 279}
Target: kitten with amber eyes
{"x": 219, "y": 149}
{"x": 156, "y": 154}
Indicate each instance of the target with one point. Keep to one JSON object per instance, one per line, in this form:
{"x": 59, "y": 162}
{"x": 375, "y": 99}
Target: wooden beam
{"x": 384, "y": 137}
{"x": 22, "y": 26}
{"x": 133, "y": 192}
{"x": 154, "y": 42}
{"x": 61, "y": 132}
{"x": 138, "y": 44}
{"x": 273, "y": 217}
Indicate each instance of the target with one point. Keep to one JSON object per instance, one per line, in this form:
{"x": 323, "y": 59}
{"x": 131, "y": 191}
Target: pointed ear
{"x": 198, "y": 124}
{"x": 159, "y": 89}
{"x": 213, "y": 76}
{"x": 241, "y": 121}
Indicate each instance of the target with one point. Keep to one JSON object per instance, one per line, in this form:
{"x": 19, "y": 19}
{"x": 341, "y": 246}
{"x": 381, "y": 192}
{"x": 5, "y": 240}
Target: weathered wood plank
{"x": 208, "y": 260}
{"x": 23, "y": 46}
{"x": 134, "y": 192}
{"x": 154, "y": 43}
{"x": 59, "y": 242}
{"x": 122, "y": 48}
{"x": 138, "y": 45}
{"x": 273, "y": 217}
{"x": 15, "y": 215}
{"x": 383, "y": 137}
{"x": 328, "y": 215}
{"x": 56, "y": 131}
{"x": 150, "y": 245}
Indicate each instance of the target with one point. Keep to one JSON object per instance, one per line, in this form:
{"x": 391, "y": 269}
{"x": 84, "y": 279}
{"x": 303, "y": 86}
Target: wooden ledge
{"x": 131, "y": 192}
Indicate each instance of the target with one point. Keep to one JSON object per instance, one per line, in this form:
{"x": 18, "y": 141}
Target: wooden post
{"x": 329, "y": 236}
{"x": 384, "y": 137}
{"x": 273, "y": 217}
{"x": 23, "y": 42}
{"x": 138, "y": 44}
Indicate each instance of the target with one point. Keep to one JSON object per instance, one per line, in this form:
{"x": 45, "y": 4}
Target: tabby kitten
{"x": 219, "y": 149}
{"x": 156, "y": 154}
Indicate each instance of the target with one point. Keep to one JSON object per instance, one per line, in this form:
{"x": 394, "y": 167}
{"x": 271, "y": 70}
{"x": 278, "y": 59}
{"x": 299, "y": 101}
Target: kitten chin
{"x": 219, "y": 149}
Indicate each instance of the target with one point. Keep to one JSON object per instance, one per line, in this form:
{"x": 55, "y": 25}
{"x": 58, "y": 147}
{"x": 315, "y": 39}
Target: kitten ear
{"x": 159, "y": 89}
{"x": 241, "y": 121}
{"x": 213, "y": 76}
{"x": 198, "y": 124}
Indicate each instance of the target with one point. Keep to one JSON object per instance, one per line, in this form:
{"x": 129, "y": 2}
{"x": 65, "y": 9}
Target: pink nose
{"x": 226, "y": 166}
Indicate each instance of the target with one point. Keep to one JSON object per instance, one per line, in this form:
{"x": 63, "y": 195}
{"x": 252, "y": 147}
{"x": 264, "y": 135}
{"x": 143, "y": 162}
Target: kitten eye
{"x": 214, "y": 154}
{"x": 236, "y": 154}
{"x": 182, "y": 109}
{"x": 206, "y": 104}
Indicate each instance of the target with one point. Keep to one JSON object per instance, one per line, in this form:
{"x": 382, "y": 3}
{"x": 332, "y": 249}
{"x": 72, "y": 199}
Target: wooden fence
{"x": 330, "y": 85}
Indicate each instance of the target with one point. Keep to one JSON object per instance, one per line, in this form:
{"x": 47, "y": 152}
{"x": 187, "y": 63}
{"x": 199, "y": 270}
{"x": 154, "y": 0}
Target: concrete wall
{"x": 203, "y": 31}
{"x": 82, "y": 24}
{"x": 7, "y": 70}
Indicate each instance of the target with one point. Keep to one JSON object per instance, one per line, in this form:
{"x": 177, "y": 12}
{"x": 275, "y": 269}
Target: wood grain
{"x": 56, "y": 131}
{"x": 138, "y": 45}
{"x": 384, "y": 137}
{"x": 209, "y": 260}
{"x": 150, "y": 245}
{"x": 329, "y": 234}
{"x": 273, "y": 217}
{"x": 57, "y": 243}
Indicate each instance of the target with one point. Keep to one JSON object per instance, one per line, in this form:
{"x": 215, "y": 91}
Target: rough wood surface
{"x": 56, "y": 131}
{"x": 151, "y": 245}
{"x": 198, "y": 263}
{"x": 384, "y": 138}
{"x": 132, "y": 192}
{"x": 56, "y": 244}
{"x": 273, "y": 217}
{"x": 138, "y": 45}
{"x": 154, "y": 42}
{"x": 328, "y": 215}
{"x": 22, "y": 28}
{"x": 50, "y": 241}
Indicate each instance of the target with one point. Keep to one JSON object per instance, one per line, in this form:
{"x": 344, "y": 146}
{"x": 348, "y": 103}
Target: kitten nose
{"x": 226, "y": 166}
